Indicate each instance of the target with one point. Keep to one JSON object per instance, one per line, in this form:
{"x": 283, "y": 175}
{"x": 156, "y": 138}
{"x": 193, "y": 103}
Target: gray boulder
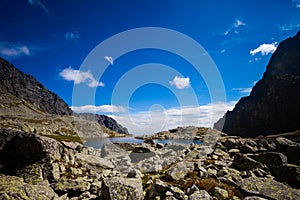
{"x": 179, "y": 170}
{"x": 268, "y": 188}
{"x": 201, "y": 194}
{"x": 12, "y": 187}
{"x": 122, "y": 188}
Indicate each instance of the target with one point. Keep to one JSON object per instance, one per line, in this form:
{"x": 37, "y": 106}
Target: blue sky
{"x": 50, "y": 39}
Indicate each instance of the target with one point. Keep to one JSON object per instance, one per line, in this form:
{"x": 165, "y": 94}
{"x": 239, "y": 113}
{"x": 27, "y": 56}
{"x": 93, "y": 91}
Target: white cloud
{"x": 264, "y": 49}
{"x": 37, "y": 2}
{"x": 109, "y": 59}
{"x": 223, "y": 50}
{"x": 181, "y": 83}
{"x": 78, "y": 77}
{"x": 149, "y": 122}
{"x": 73, "y": 36}
{"x": 238, "y": 23}
{"x": 102, "y": 108}
{"x": 9, "y": 49}
{"x": 243, "y": 90}
{"x": 235, "y": 26}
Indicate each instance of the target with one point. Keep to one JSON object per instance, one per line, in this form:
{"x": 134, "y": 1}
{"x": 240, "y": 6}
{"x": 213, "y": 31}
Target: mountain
{"x": 26, "y": 105}
{"x": 26, "y": 87}
{"x": 273, "y": 104}
{"x": 104, "y": 120}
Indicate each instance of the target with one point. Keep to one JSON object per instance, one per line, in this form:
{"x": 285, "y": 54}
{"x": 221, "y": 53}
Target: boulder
{"x": 290, "y": 174}
{"x": 127, "y": 146}
{"x": 141, "y": 153}
{"x": 12, "y": 187}
{"x": 220, "y": 193}
{"x": 122, "y": 188}
{"x": 268, "y": 188}
{"x": 24, "y": 149}
{"x": 243, "y": 162}
{"x": 179, "y": 170}
{"x": 273, "y": 160}
{"x": 94, "y": 161}
{"x": 158, "y": 188}
{"x": 112, "y": 150}
{"x": 71, "y": 186}
{"x": 201, "y": 194}
{"x": 289, "y": 148}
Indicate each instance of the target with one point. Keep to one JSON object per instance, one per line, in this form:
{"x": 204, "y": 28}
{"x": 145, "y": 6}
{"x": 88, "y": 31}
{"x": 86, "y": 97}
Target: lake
{"x": 99, "y": 142}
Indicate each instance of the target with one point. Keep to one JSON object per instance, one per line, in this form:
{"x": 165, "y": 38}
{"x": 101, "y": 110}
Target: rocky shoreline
{"x": 223, "y": 167}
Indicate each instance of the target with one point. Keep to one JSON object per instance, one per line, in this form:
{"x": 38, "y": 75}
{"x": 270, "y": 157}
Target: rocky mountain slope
{"x": 273, "y": 105}
{"x": 18, "y": 114}
{"x": 26, "y": 105}
{"x": 26, "y": 87}
{"x": 104, "y": 120}
{"x": 223, "y": 167}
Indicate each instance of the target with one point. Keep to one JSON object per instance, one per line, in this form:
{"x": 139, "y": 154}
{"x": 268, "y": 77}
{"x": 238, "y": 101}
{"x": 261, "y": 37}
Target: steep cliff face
{"x": 26, "y": 87}
{"x": 273, "y": 105}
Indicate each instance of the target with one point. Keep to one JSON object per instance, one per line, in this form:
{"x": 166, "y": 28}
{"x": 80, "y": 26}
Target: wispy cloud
{"x": 296, "y": 3}
{"x": 78, "y": 77}
{"x": 238, "y": 23}
{"x": 73, "y": 36}
{"x": 223, "y": 51}
{"x": 180, "y": 82}
{"x": 146, "y": 122}
{"x": 264, "y": 49}
{"x": 289, "y": 27}
{"x": 13, "y": 50}
{"x": 243, "y": 90}
{"x": 102, "y": 109}
{"x": 109, "y": 59}
{"x": 37, "y": 2}
{"x": 255, "y": 59}
{"x": 235, "y": 26}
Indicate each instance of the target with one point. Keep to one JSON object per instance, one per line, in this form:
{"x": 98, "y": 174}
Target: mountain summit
{"x": 273, "y": 105}
{"x": 26, "y": 87}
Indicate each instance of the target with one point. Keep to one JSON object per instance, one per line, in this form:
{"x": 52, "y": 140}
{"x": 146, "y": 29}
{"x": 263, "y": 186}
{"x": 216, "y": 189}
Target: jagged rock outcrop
{"x": 26, "y": 87}
{"x": 273, "y": 105}
{"x": 104, "y": 120}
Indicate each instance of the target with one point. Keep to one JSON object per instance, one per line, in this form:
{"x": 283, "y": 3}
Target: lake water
{"x": 99, "y": 142}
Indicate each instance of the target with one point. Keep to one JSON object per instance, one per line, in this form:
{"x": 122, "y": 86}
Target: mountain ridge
{"x": 24, "y": 101}
{"x": 26, "y": 87}
{"x": 272, "y": 106}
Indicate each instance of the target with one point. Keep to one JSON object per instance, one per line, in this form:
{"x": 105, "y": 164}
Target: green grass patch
{"x": 66, "y": 138}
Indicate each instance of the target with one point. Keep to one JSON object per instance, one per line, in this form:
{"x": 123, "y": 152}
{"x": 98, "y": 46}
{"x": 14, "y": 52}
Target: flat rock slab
{"x": 95, "y": 161}
{"x": 268, "y": 188}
